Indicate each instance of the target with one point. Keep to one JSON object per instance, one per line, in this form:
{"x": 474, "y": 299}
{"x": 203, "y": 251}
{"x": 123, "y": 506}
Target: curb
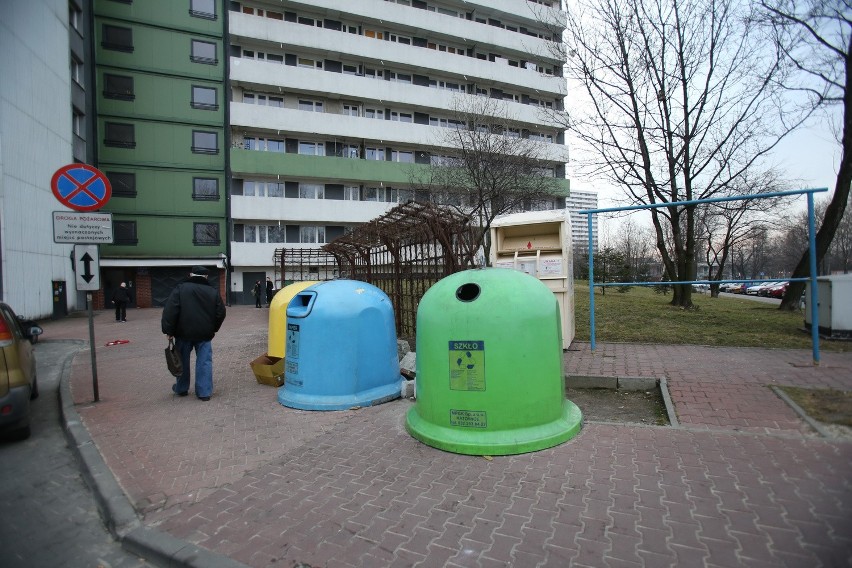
{"x": 115, "y": 508}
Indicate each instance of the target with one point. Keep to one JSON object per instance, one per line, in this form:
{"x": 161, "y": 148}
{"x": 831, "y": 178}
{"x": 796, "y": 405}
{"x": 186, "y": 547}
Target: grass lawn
{"x": 642, "y": 316}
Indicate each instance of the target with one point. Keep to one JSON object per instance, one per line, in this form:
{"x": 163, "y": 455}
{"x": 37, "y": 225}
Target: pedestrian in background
{"x": 120, "y": 298}
{"x": 270, "y": 291}
{"x": 256, "y": 292}
{"x": 193, "y": 314}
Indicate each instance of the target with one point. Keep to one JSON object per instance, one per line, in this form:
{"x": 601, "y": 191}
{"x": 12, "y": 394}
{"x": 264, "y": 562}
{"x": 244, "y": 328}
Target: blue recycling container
{"x": 341, "y": 348}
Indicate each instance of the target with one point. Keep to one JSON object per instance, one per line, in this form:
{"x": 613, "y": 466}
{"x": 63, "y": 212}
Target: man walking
{"x": 193, "y": 314}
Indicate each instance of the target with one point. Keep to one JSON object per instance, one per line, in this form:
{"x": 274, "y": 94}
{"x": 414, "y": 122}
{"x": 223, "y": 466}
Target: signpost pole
{"x": 92, "y": 346}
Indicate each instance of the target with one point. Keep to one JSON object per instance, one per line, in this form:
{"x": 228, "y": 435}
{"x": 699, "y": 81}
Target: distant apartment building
{"x": 580, "y": 201}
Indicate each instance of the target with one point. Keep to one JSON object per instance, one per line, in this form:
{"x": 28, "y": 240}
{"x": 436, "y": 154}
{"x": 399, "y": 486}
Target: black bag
{"x": 173, "y": 361}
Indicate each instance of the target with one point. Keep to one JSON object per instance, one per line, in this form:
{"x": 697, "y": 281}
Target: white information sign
{"x": 87, "y": 268}
{"x": 77, "y": 227}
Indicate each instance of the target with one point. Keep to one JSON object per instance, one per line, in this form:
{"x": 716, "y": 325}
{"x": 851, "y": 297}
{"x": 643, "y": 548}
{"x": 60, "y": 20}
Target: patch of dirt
{"x": 831, "y": 408}
{"x": 626, "y": 406}
{"x": 828, "y": 406}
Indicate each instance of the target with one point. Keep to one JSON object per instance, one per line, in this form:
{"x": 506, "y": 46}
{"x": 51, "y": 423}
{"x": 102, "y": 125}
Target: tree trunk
{"x": 837, "y": 206}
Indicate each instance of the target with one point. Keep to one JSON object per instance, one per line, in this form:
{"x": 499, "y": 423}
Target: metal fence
{"x": 403, "y": 253}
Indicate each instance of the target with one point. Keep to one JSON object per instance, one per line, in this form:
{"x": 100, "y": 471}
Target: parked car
{"x": 754, "y": 289}
{"x": 18, "y": 381}
{"x": 778, "y": 290}
{"x": 733, "y": 288}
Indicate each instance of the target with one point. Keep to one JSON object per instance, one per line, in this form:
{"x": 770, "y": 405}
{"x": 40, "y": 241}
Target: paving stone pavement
{"x": 743, "y": 482}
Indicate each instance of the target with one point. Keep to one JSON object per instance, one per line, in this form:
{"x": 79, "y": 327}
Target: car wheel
{"x": 34, "y": 391}
{"x": 20, "y": 433}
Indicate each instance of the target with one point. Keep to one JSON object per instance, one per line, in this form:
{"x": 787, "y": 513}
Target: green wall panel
{"x": 169, "y": 13}
{"x": 295, "y": 165}
{"x": 166, "y": 237}
{"x": 159, "y": 97}
{"x": 160, "y": 191}
{"x": 159, "y": 50}
{"x": 364, "y": 171}
{"x": 161, "y": 144}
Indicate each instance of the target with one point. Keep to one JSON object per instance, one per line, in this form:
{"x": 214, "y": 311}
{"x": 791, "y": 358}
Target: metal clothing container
{"x": 341, "y": 348}
{"x": 278, "y": 317}
{"x": 489, "y": 366}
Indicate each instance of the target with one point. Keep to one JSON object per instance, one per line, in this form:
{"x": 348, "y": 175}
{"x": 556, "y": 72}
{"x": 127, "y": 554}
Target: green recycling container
{"x": 489, "y": 366}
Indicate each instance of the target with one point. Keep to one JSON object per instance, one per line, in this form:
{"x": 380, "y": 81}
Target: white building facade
{"x": 333, "y": 102}
{"x": 37, "y": 137}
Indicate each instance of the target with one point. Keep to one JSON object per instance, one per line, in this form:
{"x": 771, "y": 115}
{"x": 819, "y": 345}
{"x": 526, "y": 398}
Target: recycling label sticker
{"x": 292, "y": 341}
{"x": 467, "y": 365}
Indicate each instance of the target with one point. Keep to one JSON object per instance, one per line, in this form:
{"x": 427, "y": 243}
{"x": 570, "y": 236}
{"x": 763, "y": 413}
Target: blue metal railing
{"x": 811, "y": 251}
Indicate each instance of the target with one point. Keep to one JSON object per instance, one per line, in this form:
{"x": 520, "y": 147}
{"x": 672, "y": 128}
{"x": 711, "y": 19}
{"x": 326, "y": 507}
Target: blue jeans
{"x": 203, "y": 367}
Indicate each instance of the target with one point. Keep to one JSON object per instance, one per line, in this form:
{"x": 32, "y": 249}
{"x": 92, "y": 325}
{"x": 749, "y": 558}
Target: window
{"x": 204, "y": 98}
{"x": 374, "y": 34}
{"x": 77, "y": 72}
{"x": 351, "y": 192}
{"x": 400, "y": 77}
{"x": 117, "y": 38}
{"x": 203, "y": 9}
{"x": 205, "y": 189}
{"x": 204, "y": 142}
{"x": 205, "y": 233}
{"x": 75, "y": 16}
{"x": 351, "y": 110}
{"x": 308, "y": 63}
{"x": 276, "y": 233}
{"x": 374, "y": 113}
{"x": 124, "y": 233}
{"x": 374, "y": 154}
{"x": 78, "y": 123}
{"x": 275, "y": 58}
{"x": 275, "y": 146}
{"x": 118, "y": 87}
{"x": 311, "y": 234}
{"x": 404, "y": 157}
{"x": 123, "y": 184}
{"x": 401, "y": 116}
{"x": 373, "y": 74}
{"x": 311, "y": 148}
{"x": 350, "y": 69}
{"x": 349, "y": 151}
{"x": 274, "y": 189}
{"x": 119, "y": 135}
{"x": 203, "y": 52}
{"x": 311, "y": 106}
{"x": 311, "y": 191}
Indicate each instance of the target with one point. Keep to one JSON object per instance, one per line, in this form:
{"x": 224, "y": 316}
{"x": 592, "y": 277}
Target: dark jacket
{"x": 194, "y": 311}
{"x": 120, "y": 295}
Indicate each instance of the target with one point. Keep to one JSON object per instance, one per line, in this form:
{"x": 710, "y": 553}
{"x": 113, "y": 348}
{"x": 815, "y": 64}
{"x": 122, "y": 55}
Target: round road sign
{"x": 81, "y": 187}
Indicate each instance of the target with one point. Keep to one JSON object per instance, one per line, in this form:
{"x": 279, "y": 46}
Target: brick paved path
{"x": 744, "y": 483}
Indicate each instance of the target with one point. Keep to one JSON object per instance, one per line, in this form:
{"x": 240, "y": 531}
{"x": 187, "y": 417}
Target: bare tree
{"x": 636, "y": 245}
{"x": 492, "y": 166}
{"x": 725, "y": 226}
{"x": 816, "y": 37}
{"x": 683, "y": 103}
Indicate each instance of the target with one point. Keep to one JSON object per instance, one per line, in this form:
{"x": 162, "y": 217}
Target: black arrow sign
{"x": 87, "y": 273}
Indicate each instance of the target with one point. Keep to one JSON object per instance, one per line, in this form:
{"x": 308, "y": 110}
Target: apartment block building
{"x": 335, "y": 103}
{"x": 229, "y": 130}
{"x": 580, "y": 201}
{"x": 159, "y": 87}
